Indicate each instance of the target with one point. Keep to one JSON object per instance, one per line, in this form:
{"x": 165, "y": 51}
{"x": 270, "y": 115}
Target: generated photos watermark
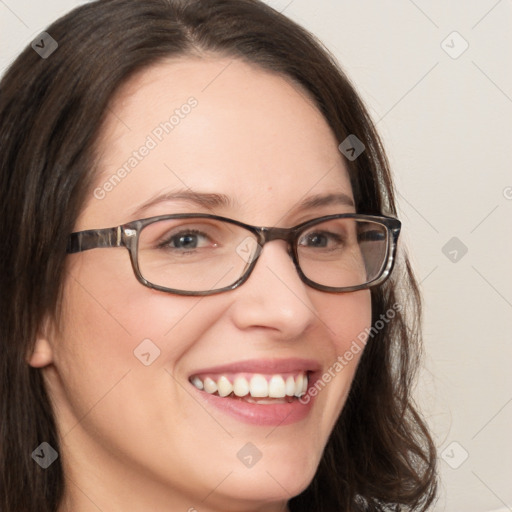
{"x": 156, "y": 136}
{"x": 44, "y": 45}
{"x": 356, "y": 346}
{"x": 45, "y": 455}
{"x": 146, "y": 352}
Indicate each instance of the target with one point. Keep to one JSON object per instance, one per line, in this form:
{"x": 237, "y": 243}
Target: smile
{"x": 254, "y": 386}
{"x": 259, "y": 392}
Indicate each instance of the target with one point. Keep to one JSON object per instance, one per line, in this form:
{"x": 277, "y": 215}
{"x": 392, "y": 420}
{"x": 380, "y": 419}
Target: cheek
{"x": 112, "y": 325}
{"x": 105, "y": 302}
{"x": 347, "y": 318}
{"x": 108, "y": 392}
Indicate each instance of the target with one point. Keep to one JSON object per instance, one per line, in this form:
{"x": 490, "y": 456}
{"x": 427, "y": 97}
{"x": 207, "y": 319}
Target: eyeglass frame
{"x": 127, "y": 235}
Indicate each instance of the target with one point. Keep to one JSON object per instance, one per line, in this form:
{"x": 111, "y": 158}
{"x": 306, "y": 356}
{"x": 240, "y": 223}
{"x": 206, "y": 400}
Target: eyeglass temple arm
{"x": 395, "y": 231}
{"x": 94, "y": 238}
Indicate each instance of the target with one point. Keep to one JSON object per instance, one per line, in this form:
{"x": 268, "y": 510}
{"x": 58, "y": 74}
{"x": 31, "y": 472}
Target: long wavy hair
{"x": 380, "y": 456}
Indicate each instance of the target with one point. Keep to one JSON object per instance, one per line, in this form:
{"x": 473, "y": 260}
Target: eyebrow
{"x": 320, "y": 200}
{"x": 213, "y": 200}
{"x": 202, "y": 199}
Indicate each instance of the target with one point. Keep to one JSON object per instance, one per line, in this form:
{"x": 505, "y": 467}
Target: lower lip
{"x": 279, "y": 414}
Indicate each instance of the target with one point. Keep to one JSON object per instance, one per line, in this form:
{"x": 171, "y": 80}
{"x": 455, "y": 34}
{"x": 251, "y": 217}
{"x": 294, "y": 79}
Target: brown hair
{"x": 380, "y": 455}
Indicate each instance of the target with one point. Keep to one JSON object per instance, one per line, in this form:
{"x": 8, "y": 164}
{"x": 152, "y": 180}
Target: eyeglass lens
{"x": 201, "y": 254}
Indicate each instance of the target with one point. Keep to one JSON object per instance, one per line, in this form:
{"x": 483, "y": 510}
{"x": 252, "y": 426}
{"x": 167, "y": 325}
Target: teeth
{"x": 298, "y": 385}
{"x": 210, "y": 386}
{"x": 304, "y": 385}
{"x": 257, "y": 387}
{"x": 225, "y": 387}
{"x": 276, "y": 387}
{"x": 198, "y": 383}
{"x": 241, "y": 386}
{"x": 290, "y": 386}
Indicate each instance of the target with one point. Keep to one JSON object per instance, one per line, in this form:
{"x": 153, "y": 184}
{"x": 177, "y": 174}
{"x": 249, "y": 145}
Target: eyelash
{"x": 165, "y": 243}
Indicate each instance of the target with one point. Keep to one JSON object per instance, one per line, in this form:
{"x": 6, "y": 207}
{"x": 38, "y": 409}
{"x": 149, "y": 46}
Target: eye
{"x": 320, "y": 239}
{"x": 186, "y": 239}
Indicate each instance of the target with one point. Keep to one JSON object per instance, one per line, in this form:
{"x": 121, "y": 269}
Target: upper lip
{"x": 266, "y": 366}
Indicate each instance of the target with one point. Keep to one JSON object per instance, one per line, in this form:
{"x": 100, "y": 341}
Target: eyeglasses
{"x": 200, "y": 254}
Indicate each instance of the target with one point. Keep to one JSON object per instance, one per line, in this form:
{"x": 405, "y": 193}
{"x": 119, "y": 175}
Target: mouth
{"x": 254, "y": 388}
{"x": 259, "y": 392}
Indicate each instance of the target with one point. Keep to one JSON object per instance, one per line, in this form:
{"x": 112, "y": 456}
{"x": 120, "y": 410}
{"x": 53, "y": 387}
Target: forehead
{"x": 214, "y": 125}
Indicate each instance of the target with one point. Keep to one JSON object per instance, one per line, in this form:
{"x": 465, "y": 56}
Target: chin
{"x": 275, "y": 477}
{"x": 267, "y": 487}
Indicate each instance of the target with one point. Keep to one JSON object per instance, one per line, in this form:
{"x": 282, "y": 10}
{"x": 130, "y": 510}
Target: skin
{"x": 133, "y": 438}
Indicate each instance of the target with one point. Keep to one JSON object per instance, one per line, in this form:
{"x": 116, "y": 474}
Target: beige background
{"x": 445, "y": 113}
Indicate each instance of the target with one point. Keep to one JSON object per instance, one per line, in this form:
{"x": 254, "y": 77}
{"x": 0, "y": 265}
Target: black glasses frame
{"x": 127, "y": 235}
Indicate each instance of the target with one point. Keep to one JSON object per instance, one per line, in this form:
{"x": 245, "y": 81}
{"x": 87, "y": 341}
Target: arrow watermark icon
{"x": 146, "y": 352}
{"x": 454, "y": 249}
{"x": 352, "y": 147}
{"x": 249, "y": 455}
{"x": 44, "y": 45}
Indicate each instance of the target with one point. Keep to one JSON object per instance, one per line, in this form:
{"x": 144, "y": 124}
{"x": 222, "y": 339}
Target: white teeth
{"x": 290, "y": 386}
{"x": 225, "y": 387}
{"x": 241, "y": 386}
{"x": 298, "y": 385}
{"x": 210, "y": 386}
{"x": 276, "y": 387}
{"x": 198, "y": 383}
{"x": 258, "y": 386}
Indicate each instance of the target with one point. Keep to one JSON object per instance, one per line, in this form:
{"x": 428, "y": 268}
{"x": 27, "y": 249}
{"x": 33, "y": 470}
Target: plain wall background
{"x": 446, "y": 121}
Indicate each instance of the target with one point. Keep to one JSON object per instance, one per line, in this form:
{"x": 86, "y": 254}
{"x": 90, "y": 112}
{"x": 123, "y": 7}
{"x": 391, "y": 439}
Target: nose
{"x": 274, "y": 297}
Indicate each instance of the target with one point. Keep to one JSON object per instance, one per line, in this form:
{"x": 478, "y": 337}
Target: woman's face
{"x": 136, "y": 433}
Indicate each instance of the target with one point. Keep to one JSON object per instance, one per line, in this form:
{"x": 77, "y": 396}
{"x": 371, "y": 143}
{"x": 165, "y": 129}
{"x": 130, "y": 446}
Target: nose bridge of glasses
{"x": 271, "y": 234}
{"x": 267, "y": 234}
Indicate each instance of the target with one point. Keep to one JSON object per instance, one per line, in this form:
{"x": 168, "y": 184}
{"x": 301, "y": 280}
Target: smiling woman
{"x": 220, "y": 327}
